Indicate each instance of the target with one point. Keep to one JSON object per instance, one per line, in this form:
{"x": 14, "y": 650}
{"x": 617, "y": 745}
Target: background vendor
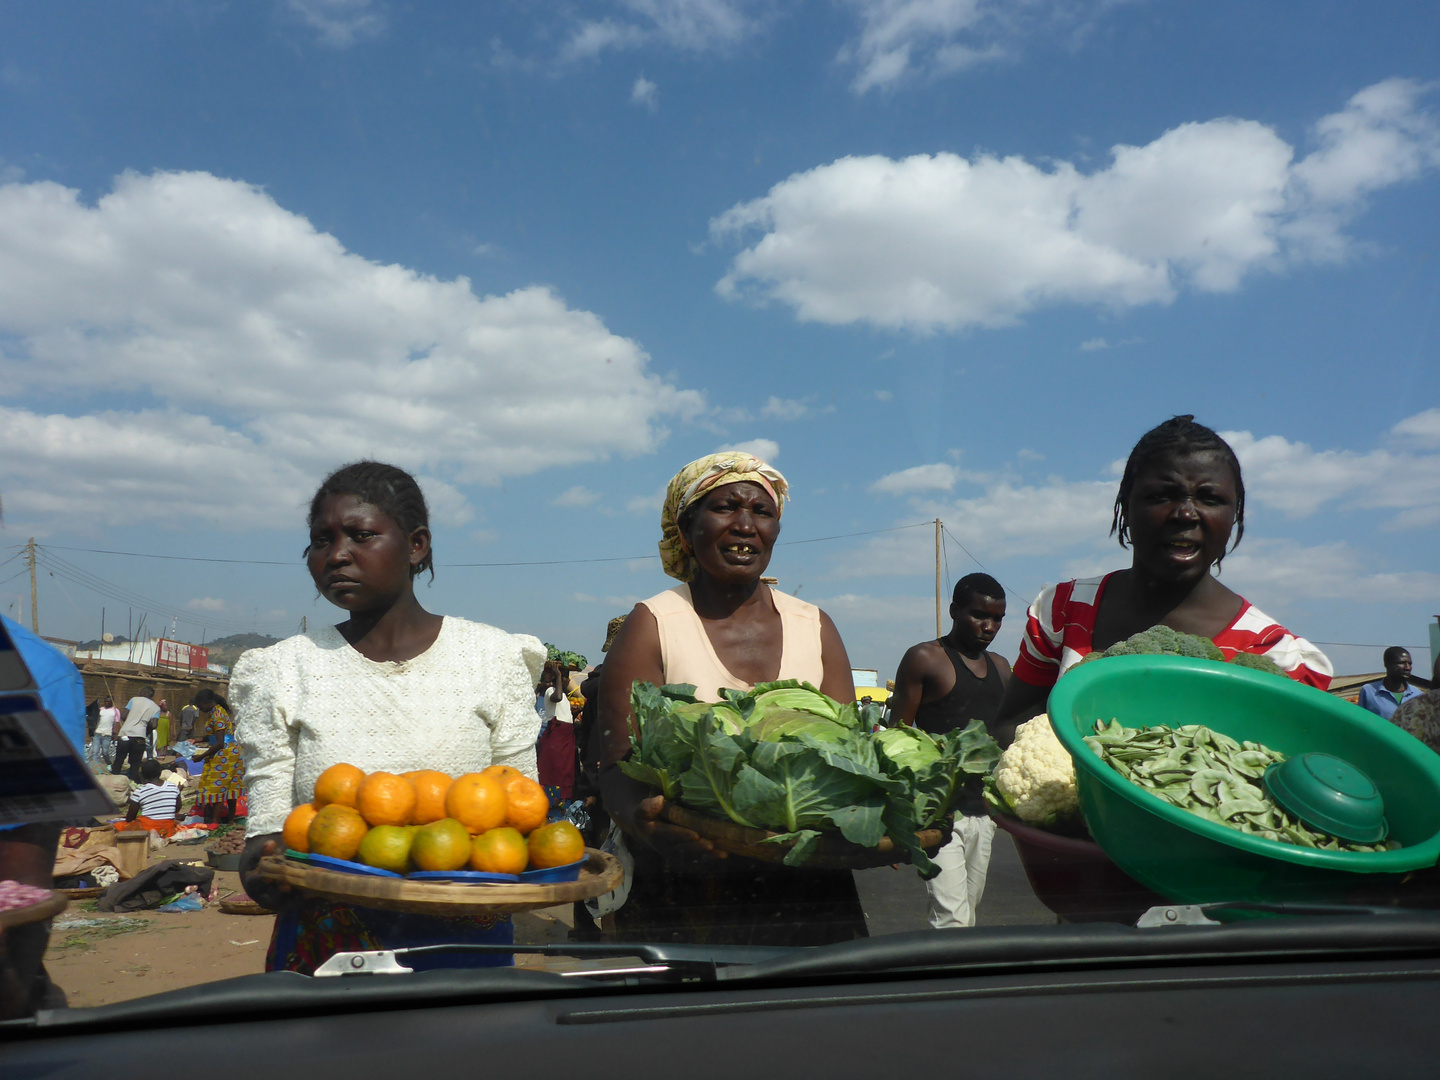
{"x": 941, "y": 685}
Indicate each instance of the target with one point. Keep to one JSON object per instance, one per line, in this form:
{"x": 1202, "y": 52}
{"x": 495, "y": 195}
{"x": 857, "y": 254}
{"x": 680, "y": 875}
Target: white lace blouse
{"x": 312, "y": 700}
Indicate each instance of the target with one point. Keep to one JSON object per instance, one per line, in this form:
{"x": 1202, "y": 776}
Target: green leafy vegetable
{"x": 786, "y": 758}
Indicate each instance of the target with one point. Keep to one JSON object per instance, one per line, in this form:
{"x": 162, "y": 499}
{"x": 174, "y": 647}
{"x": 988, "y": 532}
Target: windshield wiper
{"x": 1200, "y": 914}
{"x": 1090, "y": 944}
{"x": 678, "y": 961}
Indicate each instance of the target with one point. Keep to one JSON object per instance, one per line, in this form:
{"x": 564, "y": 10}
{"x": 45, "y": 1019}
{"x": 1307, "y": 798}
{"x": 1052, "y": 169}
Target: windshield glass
{"x": 782, "y": 474}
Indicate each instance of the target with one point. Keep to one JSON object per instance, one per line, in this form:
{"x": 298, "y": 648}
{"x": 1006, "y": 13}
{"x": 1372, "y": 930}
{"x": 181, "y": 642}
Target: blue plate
{"x": 473, "y": 876}
{"x": 553, "y": 874}
{"x": 342, "y": 865}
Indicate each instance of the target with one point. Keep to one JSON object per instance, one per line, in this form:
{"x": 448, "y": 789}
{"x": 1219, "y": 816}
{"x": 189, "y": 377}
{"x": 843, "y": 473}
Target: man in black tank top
{"x": 942, "y": 685}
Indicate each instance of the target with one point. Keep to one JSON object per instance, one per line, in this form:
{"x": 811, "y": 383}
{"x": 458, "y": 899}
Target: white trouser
{"x": 956, "y": 891}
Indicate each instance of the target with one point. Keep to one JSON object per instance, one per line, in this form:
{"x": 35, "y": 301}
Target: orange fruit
{"x": 499, "y": 851}
{"x": 441, "y": 845}
{"x": 503, "y": 773}
{"x": 338, "y": 784}
{"x": 337, "y": 831}
{"x": 385, "y": 799}
{"x": 526, "y": 804}
{"x": 557, "y": 844}
{"x": 296, "y": 832}
{"x": 430, "y": 789}
{"x": 477, "y": 802}
{"x": 386, "y": 847}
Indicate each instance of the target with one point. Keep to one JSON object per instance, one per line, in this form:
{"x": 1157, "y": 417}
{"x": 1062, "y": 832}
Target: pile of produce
{"x": 1212, "y": 776}
{"x": 1035, "y": 778}
{"x": 572, "y": 661}
{"x": 226, "y": 840}
{"x": 1164, "y": 641}
{"x": 424, "y": 820}
{"x": 785, "y": 757}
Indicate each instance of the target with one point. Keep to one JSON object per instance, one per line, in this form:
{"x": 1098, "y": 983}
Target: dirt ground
{"x": 99, "y": 957}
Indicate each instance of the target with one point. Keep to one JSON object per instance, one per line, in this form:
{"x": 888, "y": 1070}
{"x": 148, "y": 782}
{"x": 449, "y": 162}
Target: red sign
{"x": 181, "y": 654}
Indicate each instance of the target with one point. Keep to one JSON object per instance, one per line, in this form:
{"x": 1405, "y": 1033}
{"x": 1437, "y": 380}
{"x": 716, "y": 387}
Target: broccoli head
{"x": 1161, "y": 640}
{"x": 1257, "y": 662}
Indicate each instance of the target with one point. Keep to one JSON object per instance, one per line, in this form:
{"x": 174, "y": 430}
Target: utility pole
{"x": 939, "y": 629}
{"x": 34, "y": 612}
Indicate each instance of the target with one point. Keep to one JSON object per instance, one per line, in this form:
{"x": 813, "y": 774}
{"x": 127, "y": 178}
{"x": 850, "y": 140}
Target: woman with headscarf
{"x": 721, "y": 627}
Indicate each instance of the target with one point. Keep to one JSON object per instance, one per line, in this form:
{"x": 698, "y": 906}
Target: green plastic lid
{"x": 1329, "y": 794}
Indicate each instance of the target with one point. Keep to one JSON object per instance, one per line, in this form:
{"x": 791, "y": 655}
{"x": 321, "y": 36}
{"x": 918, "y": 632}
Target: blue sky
{"x": 940, "y": 258}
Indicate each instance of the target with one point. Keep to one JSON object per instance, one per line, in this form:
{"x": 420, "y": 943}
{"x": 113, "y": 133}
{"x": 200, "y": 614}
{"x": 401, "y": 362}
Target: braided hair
{"x": 1178, "y": 436}
{"x": 205, "y": 697}
{"x": 389, "y": 489}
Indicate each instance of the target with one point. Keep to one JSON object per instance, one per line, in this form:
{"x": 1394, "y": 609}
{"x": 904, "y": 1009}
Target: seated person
{"x": 152, "y": 799}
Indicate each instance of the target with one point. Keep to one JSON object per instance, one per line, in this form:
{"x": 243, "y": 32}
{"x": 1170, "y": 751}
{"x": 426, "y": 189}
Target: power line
{"x": 168, "y": 558}
{"x": 466, "y": 565}
{"x": 1366, "y": 645}
{"x": 59, "y": 567}
{"x": 946, "y": 530}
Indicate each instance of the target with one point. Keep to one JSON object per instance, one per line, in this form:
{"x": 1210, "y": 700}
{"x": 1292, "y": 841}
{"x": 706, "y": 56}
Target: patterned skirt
{"x": 223, "y": 778}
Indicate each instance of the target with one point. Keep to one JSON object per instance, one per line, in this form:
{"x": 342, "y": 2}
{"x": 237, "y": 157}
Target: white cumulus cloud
{"x": 944, "y": 242}
{"x": 205, "y": 603}
{"x": 688, "y": 25}
{"x": 784, "y": 409}
{"x": 576, "y": 496}
{"x": 899, "y": 38}
{"x": 255, "y": 352}
{"x": 1338, "y": 571}
{"x": 766, "y": 450}
{"x": 939, "y": 477}
{"x": 1298, "y": 480}
{"x": 645, "y": 93}
{"x": 340, "y": 23}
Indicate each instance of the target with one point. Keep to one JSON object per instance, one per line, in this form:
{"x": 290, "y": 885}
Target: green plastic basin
{"x": 1189, "y": 860}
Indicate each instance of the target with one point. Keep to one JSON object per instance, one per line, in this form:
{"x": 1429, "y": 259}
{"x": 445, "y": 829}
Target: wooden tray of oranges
{"x": 425, "y": 842}
{"x": 599, "y": 874}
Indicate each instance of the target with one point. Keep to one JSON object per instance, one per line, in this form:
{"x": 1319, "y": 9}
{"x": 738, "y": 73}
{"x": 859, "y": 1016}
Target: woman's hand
{"x": 642, "y": 815}
{"x": 275, "y": 895}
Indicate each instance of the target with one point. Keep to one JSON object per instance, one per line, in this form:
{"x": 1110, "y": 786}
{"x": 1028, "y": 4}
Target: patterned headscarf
{"x": 694, "y": 481}
{"x": 612, "y": 630}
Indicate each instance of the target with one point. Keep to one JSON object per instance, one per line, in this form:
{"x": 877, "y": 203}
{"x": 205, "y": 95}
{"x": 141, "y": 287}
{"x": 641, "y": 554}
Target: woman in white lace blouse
{"x": 392, "y": 688}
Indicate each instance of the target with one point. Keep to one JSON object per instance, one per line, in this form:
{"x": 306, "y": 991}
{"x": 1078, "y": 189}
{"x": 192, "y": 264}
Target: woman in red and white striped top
{"x": 1180, "y": 499}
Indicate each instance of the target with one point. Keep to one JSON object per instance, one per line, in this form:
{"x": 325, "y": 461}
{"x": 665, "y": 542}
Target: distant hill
{"x": 227, "y": 650}
{"x": 224, "y": 650}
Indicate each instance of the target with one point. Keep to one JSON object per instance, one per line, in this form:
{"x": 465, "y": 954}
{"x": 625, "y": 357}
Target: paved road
{"x": 894, "y": 900}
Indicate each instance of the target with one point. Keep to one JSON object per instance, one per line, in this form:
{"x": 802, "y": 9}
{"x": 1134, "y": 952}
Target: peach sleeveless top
{"x": 689, "y": 657}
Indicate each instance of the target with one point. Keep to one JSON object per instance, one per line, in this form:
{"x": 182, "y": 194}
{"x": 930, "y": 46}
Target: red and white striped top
{"x": 1061, "y": 623}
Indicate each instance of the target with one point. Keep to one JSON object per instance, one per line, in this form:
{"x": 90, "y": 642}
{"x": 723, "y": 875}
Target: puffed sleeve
{"x": 1040, "y": 649}
{"x": 514, "y": 725}
{"x": 267, "y": 742}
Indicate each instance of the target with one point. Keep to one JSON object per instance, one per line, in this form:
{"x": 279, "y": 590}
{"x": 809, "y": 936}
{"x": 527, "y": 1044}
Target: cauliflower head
{"x": 1035, "y": 775}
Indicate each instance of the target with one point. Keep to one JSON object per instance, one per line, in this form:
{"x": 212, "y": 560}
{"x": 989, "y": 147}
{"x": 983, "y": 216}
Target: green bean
{"x": 1209, "y": 774}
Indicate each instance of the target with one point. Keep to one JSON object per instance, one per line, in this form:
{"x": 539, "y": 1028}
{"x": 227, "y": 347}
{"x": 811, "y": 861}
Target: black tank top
{"x": 971, "y": 698}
